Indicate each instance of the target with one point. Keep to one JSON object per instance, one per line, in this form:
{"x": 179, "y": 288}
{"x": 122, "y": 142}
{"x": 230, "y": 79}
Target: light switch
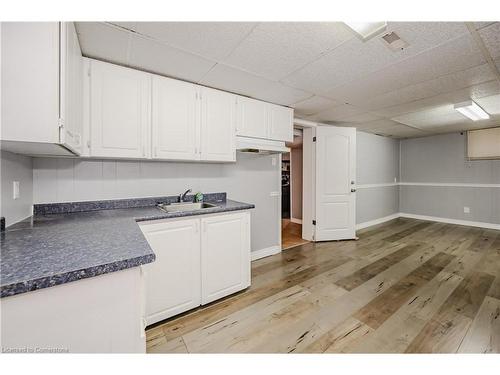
{"x": 273, "y": 161}
{"x": 15, "y": 189}
{"x": 466, "y": 210}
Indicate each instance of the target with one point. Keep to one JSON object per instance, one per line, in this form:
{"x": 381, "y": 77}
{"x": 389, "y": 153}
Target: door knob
{"x": 353, "y": 190}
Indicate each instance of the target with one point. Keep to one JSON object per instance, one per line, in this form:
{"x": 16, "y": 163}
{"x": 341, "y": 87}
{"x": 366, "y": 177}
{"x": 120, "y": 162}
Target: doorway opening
{"x": 291, "y": 193}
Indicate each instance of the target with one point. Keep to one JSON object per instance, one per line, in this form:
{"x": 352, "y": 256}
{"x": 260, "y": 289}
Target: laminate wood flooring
{"x": 406, "y": 286}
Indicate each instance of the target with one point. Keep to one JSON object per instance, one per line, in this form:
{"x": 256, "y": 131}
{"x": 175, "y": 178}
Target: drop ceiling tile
{"x": 481, "y": 25}
{"x": 345, "y": 63}
{"x": 472, "y": 92}
{"x": 126, "y": 25}
{"x": 355, "y": 59}
{"x": 491, "y": 38}
{"x": 377, "y": 124}
{"x": 213, "y": 40}
{"x": 490, "y": 104}
{"x": 313, "y": 105}
{"x": 101, "y": 41}
{"x": 159, "y": 58}
{"x": 231, "y": 79}
{"x": 336, "y": 113}
{"x": 275, "y": 49}
{"x": 454, "y": 56}
{"x": 278, "y": 93}
{"x": 360, "y": 118}
{"x": 398, "y": 131}
{"x": 447, "y": 83}
{"x": 444, "y": 115}
{"x": 422, "y": 36}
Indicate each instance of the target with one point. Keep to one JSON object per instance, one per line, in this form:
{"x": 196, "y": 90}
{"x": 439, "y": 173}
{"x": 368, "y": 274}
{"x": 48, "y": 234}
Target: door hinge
{"x": 314, "y": 222}
{"x": 314, "y": 139}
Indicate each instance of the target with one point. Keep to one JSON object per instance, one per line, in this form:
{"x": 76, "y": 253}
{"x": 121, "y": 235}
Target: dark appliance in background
{"x": 285, "y": 189}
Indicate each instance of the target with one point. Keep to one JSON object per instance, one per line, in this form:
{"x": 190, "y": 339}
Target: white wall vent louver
{"x": 394, "y": 42}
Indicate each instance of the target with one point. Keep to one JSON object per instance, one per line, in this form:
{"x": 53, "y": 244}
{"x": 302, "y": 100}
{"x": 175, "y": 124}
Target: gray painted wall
{"x": 442, "y": 159}
{"x": 377, "y": 162}
{"x": 251, "y": 179}
{"x": 16, "y": 168}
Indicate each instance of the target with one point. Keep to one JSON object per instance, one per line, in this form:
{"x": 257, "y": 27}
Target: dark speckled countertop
{"x": 50, "y": 249}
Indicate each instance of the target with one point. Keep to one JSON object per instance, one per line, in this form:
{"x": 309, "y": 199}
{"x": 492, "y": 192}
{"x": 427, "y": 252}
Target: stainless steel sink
{"x": 185, "y": 206}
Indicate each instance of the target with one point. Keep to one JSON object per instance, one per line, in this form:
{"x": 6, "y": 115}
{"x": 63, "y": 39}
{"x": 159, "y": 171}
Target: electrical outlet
{"x": 466, "y": 210}
{"x": 15, "y": 189}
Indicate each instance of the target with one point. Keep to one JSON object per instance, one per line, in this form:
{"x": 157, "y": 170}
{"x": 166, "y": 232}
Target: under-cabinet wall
{"x": 439, "y": 181}
{"x": 19, "y": 168}
{"x": 253, "y": 178}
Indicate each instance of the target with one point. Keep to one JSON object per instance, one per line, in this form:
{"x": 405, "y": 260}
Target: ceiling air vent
{"x": 394, "y": 42}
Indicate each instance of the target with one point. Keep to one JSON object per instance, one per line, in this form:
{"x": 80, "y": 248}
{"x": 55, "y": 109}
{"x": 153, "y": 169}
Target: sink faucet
{"x": 183, "y": 196}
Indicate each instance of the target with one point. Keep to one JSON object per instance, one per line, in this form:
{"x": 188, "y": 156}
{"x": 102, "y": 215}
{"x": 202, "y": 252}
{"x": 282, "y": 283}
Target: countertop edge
{"x": 70, "y": 276}
{"x": 208, "y": 211}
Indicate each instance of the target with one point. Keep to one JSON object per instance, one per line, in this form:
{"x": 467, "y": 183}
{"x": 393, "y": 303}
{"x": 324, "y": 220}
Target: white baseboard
{"x": 262, "y": 253}
{"x": 469, "y": 223}
{"x": 296, "y": 221}
{"x": 381, "y": 220}
{"x": 479, "y": 224}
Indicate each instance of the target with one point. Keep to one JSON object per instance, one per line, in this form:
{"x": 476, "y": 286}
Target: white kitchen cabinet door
{"x": 218, "y": 125}
{"x": 174, "y": 109}
{"x": 252, "y": 118}
{"x": 30, "y": 82}
{"x": 172, "y": 281}
{"x": 225, "y": 255}
{"x": 280, "y": 123}
{"x": 71, "y": 111}
{"x": 119, "y": 111}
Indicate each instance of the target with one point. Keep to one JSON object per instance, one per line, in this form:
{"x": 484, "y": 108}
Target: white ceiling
{"x": 322, "y": 69}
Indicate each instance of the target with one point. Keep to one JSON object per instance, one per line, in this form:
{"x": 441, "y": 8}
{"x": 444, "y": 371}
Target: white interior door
{"x": 335, "y": 183}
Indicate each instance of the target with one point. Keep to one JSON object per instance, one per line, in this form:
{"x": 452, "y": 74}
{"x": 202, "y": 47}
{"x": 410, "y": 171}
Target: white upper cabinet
{"x": 120, "y": 101}
{"x": 263, "y": 120}
{"x": 280, "y": 123}
{"x": 218, "y": 125}
{"x": 175, "y": 132}
{"x": 252, "y": 118}
{"x": 41, "y": 88}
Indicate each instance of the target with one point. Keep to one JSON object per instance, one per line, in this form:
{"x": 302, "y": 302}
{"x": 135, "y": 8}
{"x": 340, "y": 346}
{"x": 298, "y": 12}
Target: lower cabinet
{"x": 225, "y": 255}
{"x": 198, "y": 260}
{"x": 172, "y": 281}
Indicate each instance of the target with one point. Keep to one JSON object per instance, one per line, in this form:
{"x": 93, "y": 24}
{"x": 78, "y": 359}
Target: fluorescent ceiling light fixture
{"x": 367, "y": 30}
{"x": 471, "y": 110}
